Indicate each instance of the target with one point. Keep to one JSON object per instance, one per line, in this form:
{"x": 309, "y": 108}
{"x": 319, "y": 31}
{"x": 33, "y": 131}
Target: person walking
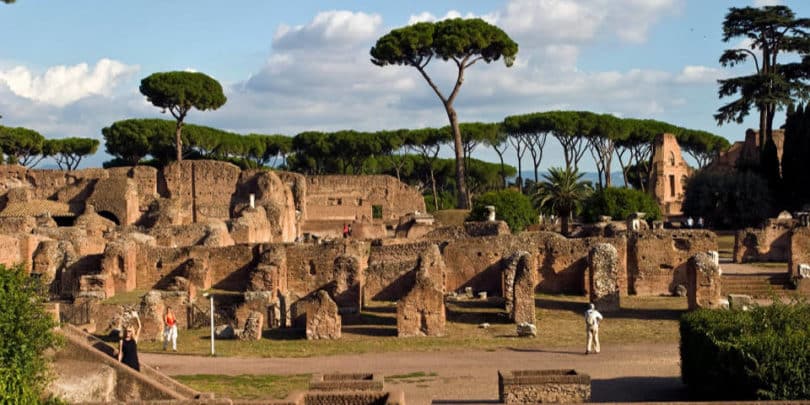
{"x": 128, "y": 346}
{"x": 170, "y": 329}
{"x": 592, "y": 319}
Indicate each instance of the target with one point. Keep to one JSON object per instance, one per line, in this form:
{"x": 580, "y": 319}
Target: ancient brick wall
{"x": 145, "y": 178}
{"x": 119, "y": 196}
{"x": 657, "y": 259}
{"x": 799, "y": 249}
{"x": 346, "y": 198}
{"x": 668, "y": 174}
{"x": 277, "y": 199}
{"x": 9, "y": 250}
{"x": 390, "y": 270}
{"x": 207, "y": 185}
{"x": 312, "y": 267}
{"x": 770, "y": 243}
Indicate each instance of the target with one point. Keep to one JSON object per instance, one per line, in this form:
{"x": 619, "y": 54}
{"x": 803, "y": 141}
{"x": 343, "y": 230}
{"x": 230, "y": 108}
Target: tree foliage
{"x": 728, "y": 200}
{"x": 619, "y": 203}
{"x": 562, "y": 193}
{"x": 511, "y": 206}
{"x": 22, "y": 145}
{"x": 69, "y": 152}
{"x": 771, "y": 31}
{"x": 465, "y": 42}
{"x": 796, "y": 148}
{"x": 26, "y": 331}
{"x": 179, "y": 92}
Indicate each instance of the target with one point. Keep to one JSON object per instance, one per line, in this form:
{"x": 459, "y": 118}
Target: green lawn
{"x": 560, "y": 324}
{"x": 264, "y": 386}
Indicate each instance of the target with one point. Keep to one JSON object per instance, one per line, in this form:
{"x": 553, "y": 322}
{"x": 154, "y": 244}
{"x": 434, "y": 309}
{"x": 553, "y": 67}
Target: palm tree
{"x": 561, "y": 192}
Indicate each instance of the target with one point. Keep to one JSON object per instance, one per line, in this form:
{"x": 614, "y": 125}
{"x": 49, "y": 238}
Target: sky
{"x": 70, "y": 68}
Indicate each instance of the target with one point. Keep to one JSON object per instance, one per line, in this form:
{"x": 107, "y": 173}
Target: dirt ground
{"x": 640, "y": 372}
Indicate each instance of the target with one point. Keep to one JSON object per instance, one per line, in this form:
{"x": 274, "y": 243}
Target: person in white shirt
{"x": 592, "y": 319}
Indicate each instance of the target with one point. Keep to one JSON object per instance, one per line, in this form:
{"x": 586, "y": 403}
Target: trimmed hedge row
{"x": 761, "y": 354}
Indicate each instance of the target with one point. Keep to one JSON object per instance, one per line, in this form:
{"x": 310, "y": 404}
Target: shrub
{"x": 746, "y": 355}
{"x": 728, "y": 200}
{"x": 619, "y": 203}
{"x": 26, "y": 331}
{"x": 510, "y": 206}
{"x": 447, "y": 201}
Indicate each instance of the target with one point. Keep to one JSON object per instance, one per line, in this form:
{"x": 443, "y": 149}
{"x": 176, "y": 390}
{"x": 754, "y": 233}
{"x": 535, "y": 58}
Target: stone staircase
{"x": 757, "y": 285}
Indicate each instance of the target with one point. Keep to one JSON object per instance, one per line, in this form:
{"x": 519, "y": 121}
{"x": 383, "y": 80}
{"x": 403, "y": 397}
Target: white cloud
{"x": 763, "y": 3}
{"x": 62, "y": 85}
{"x": 428, "y": 17}
{"x": 329, "y": 28}
{"x": 699, "y": 75}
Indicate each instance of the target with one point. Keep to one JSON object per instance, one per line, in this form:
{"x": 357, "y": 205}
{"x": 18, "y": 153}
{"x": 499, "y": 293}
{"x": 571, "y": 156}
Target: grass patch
{"x": 265, "y": 386}
{"x": 416, "y": 374}
{"x": 451, "y": 217}
{"x": 560, "y": 324}
{"x": 126, "y": 298}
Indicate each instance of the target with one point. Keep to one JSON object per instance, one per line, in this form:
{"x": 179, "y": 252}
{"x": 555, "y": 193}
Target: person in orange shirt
{"x": 170, "y": 330}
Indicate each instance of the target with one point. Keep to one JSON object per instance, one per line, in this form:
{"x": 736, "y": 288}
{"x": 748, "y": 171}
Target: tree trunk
{"x": 461, "y": 181}
{"x": 433, "y": 185}
{"x": 564, "y": 224}
{"x": 178, "y": 140}
{"x": 503, "y": 171}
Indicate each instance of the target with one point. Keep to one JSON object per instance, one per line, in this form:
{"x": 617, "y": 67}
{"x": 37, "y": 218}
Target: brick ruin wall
{"x": 349, "y": 198}
{"x": 799, "y": 252}
{"x": 771, "y": 243}
{"x": 657, "y": 259}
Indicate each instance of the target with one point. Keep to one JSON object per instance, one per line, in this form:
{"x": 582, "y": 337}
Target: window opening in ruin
{"x": 311, "y": 268}
{"x": 64, "y": 220}
{"x": 672, "y": 158}
{"x": 377, "y": 211}
{"x": 672, "y": 185}
{"x": 109, "y": 215}
{"x": 359, "y": 202}
{"x": 683, "y": 183}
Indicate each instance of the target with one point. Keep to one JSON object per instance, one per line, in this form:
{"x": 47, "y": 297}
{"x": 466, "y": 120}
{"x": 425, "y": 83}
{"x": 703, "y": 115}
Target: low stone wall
{"x": 656, "y": 259}
{"x": 770, "y": 243}
{"x": 346, "y": 382}
{"x": 799, "y": 249}
{"x": 535, "y": 386}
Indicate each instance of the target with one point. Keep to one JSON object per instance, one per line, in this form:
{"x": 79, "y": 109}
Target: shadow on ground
{"x": 638, "y": 389}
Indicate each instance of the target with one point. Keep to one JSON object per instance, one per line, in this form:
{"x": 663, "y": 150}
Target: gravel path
{"x": 644, "y": 372}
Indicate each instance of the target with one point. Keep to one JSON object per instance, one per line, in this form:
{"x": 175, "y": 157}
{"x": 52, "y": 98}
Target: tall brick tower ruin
{"x": 668, "y": 174}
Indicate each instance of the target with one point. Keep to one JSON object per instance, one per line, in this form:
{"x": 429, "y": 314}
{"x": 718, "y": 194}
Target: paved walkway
{"x": 647, "y": 372}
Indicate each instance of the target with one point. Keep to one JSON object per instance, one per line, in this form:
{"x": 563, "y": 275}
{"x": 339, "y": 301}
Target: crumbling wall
{"x": 277, "y": 200}
{"x": 206, "y": 186}
{"x": 390, "y": 270}
{"x": 770, "y": 243}
{"x": 422, "y": 311}
{"x": 118, "y": 196}
{"x": 312, "y": 267}
{"x": 346, "y": 198}
{"x": 657, "y": 259}
{"x": 799, "y": 249}
{"x": 145, "y": 179}
{"x": 704, "y": 288}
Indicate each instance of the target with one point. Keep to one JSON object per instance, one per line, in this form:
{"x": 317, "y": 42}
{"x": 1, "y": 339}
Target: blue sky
{"x": 69, "y": 68}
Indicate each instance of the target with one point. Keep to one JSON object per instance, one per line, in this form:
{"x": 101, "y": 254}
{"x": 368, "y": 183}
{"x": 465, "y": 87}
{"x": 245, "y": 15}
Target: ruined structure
{"x": 668, "y": 174}
{"x": 703, "y": 287}
{"x": 519, "y": 279}
{"x": 769, "y": 243}
{"x": 322, "y": 319}
{"x": 746, "y": 153}
{"x": 603, "y": 277}
{"x": 422, "y": 312}
{"x": 543, "y": 386}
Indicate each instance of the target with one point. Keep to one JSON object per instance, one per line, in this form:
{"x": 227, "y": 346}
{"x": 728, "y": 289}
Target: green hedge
{"x": 510, "y": 206}
{"x": 761, "y": 354}
{"x": 619, "y": 203}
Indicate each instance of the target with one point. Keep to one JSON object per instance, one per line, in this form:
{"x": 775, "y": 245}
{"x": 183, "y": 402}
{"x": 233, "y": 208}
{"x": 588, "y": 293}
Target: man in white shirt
{"x": 592, "y": 319}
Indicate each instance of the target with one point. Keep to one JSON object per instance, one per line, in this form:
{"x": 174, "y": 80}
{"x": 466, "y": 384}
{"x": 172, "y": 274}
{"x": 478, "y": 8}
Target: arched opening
{"x": 672, "y": 158}
{"x": 109, "y": 215}
{"x": 64, "y": 220}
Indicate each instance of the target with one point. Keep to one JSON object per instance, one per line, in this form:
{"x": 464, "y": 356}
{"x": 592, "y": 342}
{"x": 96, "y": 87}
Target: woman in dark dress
{"x": 128, "y": 347}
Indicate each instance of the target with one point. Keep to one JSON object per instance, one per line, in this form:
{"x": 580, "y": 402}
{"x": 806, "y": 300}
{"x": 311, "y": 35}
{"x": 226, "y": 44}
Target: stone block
{"x": 704, "y": 286}
{"x": 346, "y": 382}
{"x": 422, "y": 312}
{"x": 603, "y": 271}
{"x": 322, "y": 318}
{"x": 486, "y": 228}
{"x": 224, "y": 332}
{"x": 740, "y": 302}
{"x": 539, "y": 386}
{"x": 526, "y": 329}
{"x": 253, "y": 326}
